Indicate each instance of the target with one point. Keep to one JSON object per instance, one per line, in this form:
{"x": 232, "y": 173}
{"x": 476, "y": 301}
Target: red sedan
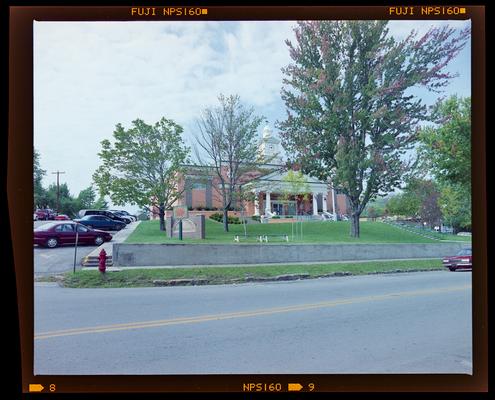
{"x": 54, "y": 234}
{"x": 462, "y": 260}
{"x": 62, "y": 217}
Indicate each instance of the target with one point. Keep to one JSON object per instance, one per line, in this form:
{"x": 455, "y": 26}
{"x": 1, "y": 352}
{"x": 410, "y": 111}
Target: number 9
{"x": 311, "y": 387}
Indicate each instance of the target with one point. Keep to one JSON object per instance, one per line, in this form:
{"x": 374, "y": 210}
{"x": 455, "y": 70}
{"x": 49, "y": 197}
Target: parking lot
{"x": 60, "y": 259}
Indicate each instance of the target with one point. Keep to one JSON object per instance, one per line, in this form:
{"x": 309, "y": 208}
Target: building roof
{"x": 277, "y": 181}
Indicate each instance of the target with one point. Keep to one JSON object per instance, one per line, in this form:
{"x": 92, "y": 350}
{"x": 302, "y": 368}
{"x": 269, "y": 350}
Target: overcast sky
{"x": 89, "y": 76}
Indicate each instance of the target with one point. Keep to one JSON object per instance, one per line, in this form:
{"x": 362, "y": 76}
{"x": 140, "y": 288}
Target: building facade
{"x": 269, "y": 191}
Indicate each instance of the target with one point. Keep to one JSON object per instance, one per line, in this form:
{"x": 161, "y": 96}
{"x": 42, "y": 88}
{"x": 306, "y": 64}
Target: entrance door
{"x": 291, "y": 208}
{"x": 278, "y": 208}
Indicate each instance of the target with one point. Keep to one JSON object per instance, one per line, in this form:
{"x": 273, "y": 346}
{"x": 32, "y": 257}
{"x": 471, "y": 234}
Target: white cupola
{"x": 270, "y": 147}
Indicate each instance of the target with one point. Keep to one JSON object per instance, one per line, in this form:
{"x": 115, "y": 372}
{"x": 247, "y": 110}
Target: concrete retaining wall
{"x": 230, "y": 254}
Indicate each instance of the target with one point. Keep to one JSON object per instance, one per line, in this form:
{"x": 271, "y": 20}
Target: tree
{"x": 445, "y": 151}
{"x": 446, "y": 147}
{"x": 297, "y": 186}
{"x": 403, "y": 204}
{"x": 86, "y": 198}
{"x": 375, "y": 208}
{"x": 39, "y": 193}
{"x": 455, "y": 204}
{"x": 100, "y": 204}
{"x": 228, "y": 138}
{"x": 419, "y": 200}
{"x": 67, "y": 204}
{"x": 351, "y": 116}
{"x": 143, "y": 166}
{"x": 429, "y": 211}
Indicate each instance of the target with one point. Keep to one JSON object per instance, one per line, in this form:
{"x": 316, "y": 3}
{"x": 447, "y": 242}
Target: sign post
{"x": 180, "y": 212}
{"x": 76, "y": 226}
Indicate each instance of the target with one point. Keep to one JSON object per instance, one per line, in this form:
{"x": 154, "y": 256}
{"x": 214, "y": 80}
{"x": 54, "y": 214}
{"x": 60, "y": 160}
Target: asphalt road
{"x": 397, "y": 323}
{"x": 60, "y": 259}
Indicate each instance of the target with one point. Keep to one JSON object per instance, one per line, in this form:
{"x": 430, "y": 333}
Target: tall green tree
{"x": 351, "y": 115}
{"x": 143, "y": 165}
{"x": 39, "y": 193}
{"x": 446, "y": 147}
{"x": 227, "y": 140}
{"x": 455, "y": 204}
{"x": 445, "y": 150}
{"x": 86, "y": 198}
{"x": 67, "y": 203}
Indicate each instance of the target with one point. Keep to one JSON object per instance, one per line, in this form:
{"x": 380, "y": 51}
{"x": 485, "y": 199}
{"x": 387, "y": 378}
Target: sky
{"x": 90, "y": 76}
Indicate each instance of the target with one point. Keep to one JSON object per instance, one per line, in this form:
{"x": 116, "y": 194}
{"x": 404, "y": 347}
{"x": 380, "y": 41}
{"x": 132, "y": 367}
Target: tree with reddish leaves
{"x": 351, "y": 116}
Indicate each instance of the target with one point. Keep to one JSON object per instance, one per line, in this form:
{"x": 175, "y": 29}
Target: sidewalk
{"x": 91, "y": 260}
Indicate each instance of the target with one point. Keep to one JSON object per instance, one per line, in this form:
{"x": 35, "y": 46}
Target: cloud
{"x": 89, "y": 76}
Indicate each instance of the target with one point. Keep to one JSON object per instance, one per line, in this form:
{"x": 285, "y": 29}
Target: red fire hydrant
{"x": 102, "y": 263}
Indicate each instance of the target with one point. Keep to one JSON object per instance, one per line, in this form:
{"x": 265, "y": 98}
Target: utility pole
{"x": 58, "y": 188}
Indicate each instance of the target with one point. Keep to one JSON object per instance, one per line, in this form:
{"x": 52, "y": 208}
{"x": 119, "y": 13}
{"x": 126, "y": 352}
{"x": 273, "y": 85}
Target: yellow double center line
{"x": 242, "y": 314}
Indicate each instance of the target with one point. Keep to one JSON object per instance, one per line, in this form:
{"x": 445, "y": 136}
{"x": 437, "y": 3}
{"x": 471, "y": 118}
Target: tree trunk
{"x": 355, "y": 224}
{"x": 225, "y": 220}
{"x": 161, "y": 214}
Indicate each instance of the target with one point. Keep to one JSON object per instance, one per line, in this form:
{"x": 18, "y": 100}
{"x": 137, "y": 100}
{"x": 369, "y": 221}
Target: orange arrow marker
{"x": 35, "y": 387}
{"x": 295, "y": 387}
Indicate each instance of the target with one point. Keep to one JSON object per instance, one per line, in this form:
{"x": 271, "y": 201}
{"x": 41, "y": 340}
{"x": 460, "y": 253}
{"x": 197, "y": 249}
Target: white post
{"x": 324, "y": 201}
{"x": 268, "y": 206}
{"x": 334, "y": 208}
{"x": 256, "y": 203}
{"x": 315, "y": 204}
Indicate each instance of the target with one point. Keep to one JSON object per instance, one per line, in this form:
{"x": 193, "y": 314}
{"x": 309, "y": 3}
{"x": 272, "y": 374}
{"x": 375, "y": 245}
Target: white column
{"x": 315, "y": 204}
{"x": 268, "y": 206}
{"x": 256, "y": 203}
{"x": 334, "y": 208}
{"x": 324, "y": 201}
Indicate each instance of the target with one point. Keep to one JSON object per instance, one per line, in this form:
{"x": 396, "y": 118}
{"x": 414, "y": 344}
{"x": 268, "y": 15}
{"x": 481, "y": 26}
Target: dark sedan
{"x": 462, "y": 260}
{"x": 54, "y": 234}
{"x": 101, "y": 222}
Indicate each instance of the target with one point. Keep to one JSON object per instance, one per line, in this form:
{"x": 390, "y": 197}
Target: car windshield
{"x": 465, "y": 252}
{"x": 45, "y": 227}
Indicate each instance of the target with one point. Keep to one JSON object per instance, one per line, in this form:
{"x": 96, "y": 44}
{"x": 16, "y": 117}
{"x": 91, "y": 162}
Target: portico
{"x": 274, "y": 195}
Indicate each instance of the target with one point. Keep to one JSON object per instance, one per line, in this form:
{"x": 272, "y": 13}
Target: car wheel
{"x": 99, "y": 240}
{"x": 452, "y": 269}
{"x": 51, "y": 243}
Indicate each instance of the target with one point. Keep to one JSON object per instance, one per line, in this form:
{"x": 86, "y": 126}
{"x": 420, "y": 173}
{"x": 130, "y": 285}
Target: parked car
{"x": 462, "y": 260}
{"x": 125, "y": 214}
{"x": 58, "y": 233}
{"x": 45, "y": 213}
{"x": 105, "y": 213}
{"x": 62, "y": 217}
{"x": 101, "y": 222}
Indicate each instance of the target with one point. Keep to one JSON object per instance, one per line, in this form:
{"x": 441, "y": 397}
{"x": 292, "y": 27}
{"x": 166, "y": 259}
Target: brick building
{"x": 266, "y": 191}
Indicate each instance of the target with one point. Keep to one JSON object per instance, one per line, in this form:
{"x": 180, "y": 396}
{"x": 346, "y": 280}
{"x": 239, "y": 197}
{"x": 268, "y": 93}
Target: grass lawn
{"x": 312, "y": 232}
{"x": 222, "y": 275}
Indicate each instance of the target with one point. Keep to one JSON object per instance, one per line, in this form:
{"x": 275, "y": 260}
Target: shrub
{"x": 276, "y": 217}
{"x": 216, "y": 217}
{"x": 256, "y": 218}
{"x": 231, "y": 220}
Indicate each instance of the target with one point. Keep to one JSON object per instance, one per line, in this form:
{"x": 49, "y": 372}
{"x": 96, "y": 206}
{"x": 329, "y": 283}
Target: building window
{"x": 198, "y": 186}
